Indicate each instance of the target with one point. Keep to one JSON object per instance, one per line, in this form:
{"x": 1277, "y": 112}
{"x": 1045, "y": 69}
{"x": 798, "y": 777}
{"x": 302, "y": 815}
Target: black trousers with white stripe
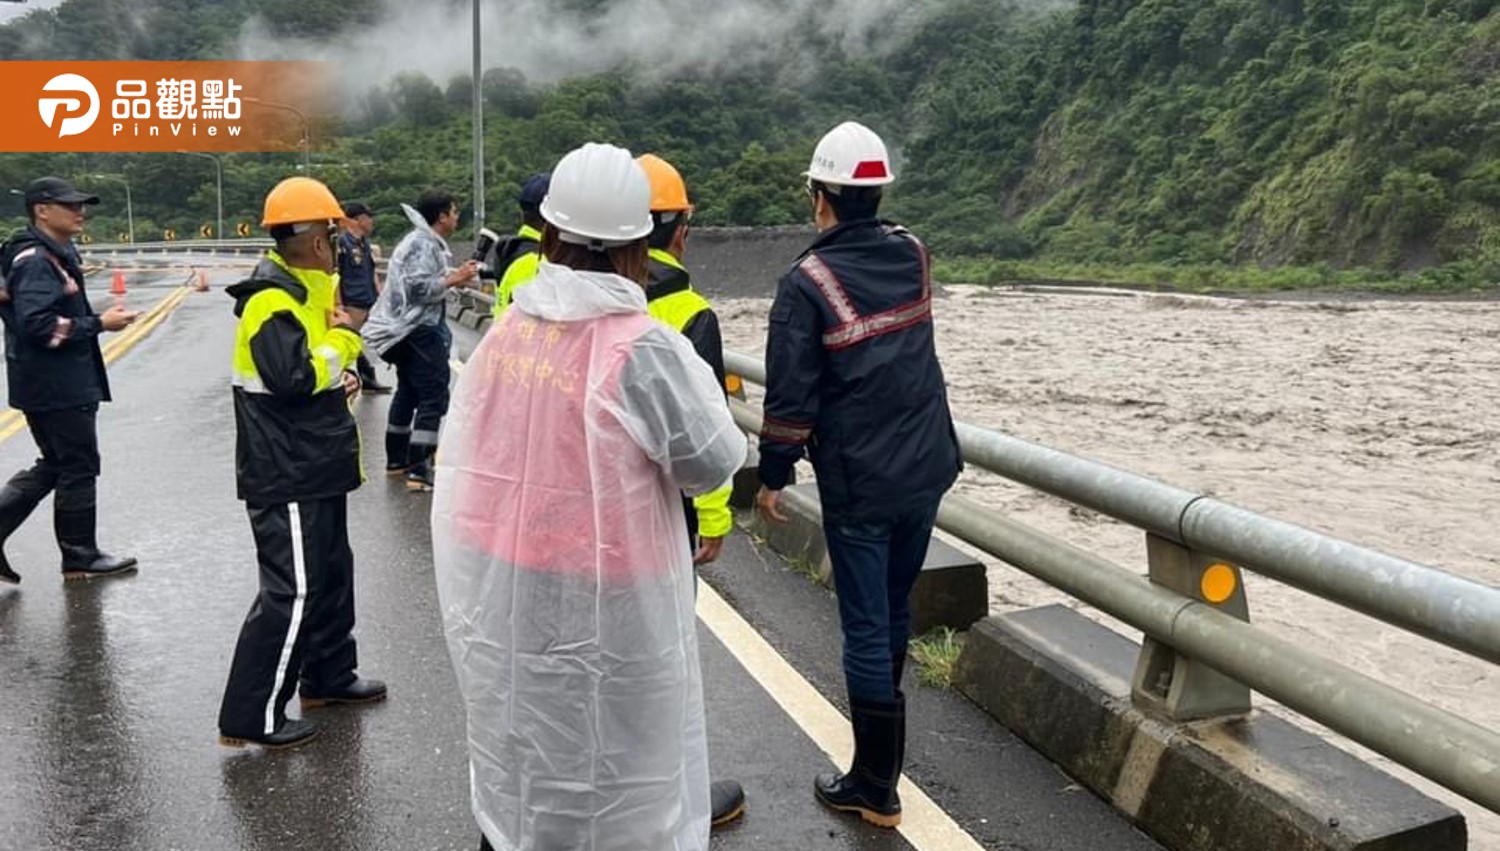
{"x": 300, "y": 627}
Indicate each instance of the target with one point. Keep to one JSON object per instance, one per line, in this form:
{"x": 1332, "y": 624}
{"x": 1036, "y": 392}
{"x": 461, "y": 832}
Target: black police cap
{"x": 56, "y": 189}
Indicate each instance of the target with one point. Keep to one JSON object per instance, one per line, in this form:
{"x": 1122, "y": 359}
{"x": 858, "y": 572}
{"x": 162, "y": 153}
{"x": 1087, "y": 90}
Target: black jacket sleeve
{"x": 794, "y": 368}
{"x": 282, "y": 358}
{"x": 36, "y": 291}
{"x": 703, "y": 332}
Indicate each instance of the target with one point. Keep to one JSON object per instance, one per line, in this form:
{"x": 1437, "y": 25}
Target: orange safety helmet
{"x": 668, "y": 192}
{"x": 300, "y": 199}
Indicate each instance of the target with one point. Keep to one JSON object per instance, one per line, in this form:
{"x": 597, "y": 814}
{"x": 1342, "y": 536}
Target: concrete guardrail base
{"x": 1250, "y": 783}
{"x": 952, "y": 591}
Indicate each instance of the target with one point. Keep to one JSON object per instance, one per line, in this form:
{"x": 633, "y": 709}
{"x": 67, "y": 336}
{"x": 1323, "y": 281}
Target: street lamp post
{"x": 219, "y": 170}
{"x": 129, "y": 208}
{"x": 478, "y": 130}
{"x": 306, "y": 142}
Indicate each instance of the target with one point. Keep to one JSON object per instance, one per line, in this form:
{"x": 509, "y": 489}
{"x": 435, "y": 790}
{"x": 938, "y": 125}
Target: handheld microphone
{"x": 483, "y": 245}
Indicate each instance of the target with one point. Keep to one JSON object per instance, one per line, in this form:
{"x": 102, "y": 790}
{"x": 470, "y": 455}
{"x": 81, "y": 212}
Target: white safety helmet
{"x": 851, "y": 155}
{"x": 598, "y": 197}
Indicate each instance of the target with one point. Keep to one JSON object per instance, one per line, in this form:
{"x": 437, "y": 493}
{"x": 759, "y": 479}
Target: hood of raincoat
{"x": 414, "y": 292}
{"x": 562, "y": 294}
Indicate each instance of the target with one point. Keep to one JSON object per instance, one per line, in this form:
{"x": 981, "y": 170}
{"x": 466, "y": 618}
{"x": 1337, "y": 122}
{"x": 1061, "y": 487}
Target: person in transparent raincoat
{"x": 563, "y": 569}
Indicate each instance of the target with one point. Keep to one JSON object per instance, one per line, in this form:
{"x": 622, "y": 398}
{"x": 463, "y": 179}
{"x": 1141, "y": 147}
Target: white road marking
{"x": 924, "y": 825}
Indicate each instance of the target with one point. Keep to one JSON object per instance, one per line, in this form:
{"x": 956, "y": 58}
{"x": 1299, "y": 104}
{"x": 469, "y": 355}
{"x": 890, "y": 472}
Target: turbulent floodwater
{"x": 1375, "y": 421}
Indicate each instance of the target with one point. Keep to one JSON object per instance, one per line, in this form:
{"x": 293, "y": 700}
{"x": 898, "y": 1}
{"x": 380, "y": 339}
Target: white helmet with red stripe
{"x": 851, "y": 155}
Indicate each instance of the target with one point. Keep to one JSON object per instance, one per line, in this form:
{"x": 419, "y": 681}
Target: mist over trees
{"x": 1319, "y": 133}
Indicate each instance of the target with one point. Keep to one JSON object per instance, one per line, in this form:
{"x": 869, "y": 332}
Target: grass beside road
{"x": 936, "y": 655}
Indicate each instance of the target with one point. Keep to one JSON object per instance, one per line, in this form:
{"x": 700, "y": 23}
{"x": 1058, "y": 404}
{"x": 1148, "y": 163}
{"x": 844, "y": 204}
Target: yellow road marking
{"x": 924, "y": 824}
{"x": 143, "y": 326}
{"x": 12, "y": 421}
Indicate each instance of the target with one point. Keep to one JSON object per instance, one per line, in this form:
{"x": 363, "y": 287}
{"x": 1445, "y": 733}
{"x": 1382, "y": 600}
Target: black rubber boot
{"x": 81, "y": 558}
{"x": 296, "y": 731}
{"x": 726, "y": 800}
{"x": 15, "y": 506}
{"x": 869, "y": 787}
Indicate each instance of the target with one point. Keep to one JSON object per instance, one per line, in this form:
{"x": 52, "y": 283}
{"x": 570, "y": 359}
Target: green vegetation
{"x": 1197, "y": 144}
{"x": 936, "y": 655}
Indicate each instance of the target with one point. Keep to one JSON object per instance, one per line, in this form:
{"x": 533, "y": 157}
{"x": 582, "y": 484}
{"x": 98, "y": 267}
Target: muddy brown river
{"x": 1375, "y": 421}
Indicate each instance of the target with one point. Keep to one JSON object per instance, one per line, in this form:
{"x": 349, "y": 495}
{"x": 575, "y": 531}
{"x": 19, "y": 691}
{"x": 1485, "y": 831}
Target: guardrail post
{"x": 1168, "y": 682}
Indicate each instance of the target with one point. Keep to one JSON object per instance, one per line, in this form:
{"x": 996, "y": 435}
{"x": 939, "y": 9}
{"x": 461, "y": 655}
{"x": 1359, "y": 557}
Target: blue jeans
{"x": 875, "y": 565}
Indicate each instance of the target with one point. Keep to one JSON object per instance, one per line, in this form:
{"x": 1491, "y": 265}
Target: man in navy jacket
{"x": 56, "y": 376}
{"x": 853, "y": 380}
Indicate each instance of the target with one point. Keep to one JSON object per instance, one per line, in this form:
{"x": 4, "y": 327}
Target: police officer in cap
{"x": 518, "y": 255}
{"x": 357, "y": 287}
{"x": 56, "y": 376}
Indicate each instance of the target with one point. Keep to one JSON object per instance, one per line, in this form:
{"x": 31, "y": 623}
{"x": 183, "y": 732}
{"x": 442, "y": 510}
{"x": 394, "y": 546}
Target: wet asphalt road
{"x": 109, "y": 691}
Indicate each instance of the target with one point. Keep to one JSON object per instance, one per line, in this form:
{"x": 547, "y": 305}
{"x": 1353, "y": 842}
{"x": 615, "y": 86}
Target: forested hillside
{"x": 1133, "y": 134}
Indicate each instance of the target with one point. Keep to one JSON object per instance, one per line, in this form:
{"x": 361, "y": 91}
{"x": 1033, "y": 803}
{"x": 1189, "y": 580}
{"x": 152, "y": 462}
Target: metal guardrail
{"x": 177, "y": 246}
{"x": 1222, "y": 656}
{"x": 1215, "y": 642}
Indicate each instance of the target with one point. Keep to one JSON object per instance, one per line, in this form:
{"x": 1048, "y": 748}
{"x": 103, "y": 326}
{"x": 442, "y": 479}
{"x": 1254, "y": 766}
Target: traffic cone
{"x": 117, "y": 284}
{"x": 201, "y": 284}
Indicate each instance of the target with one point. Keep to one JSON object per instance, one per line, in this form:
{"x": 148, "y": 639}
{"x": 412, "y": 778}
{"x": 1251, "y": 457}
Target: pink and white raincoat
{"x": 564, "y": 570}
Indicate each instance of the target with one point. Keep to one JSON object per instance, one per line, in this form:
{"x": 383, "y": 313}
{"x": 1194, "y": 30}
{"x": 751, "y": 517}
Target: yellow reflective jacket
{"x": 295, "y": 436}
{"x": 521, "y": 269}
{"x": 672, "y": 301}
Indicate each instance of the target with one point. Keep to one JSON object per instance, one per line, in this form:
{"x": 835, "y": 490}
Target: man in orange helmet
{"x": 296, "y": 459}
{"x": 672, "y": 301}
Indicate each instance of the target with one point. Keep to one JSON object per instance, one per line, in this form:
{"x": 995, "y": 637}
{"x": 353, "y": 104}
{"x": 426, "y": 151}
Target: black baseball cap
{"x": 56, "y": 189}
{"x": 535, "y": 189}
{"x": 354, "y": 209}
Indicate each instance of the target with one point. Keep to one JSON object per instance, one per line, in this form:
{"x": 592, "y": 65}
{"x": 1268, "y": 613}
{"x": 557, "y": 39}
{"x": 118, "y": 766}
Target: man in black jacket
{"x": 853, "y": 379}
{"x": 56, "y": 376}
{"x": 296, "y": 460}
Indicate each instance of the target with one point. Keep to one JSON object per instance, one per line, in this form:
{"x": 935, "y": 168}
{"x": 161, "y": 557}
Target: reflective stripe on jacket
{"x": 671, "y": 300}
{"x": 295, "y": 436}
{"x": 853, "y": 377}
{"x": 52, "y": 355}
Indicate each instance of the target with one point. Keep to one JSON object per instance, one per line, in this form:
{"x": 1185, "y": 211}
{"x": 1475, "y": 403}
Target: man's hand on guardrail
{"x": 708, "y": 550}
{"x": 768, "y": 503}
{"x": 117, "y": 318}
